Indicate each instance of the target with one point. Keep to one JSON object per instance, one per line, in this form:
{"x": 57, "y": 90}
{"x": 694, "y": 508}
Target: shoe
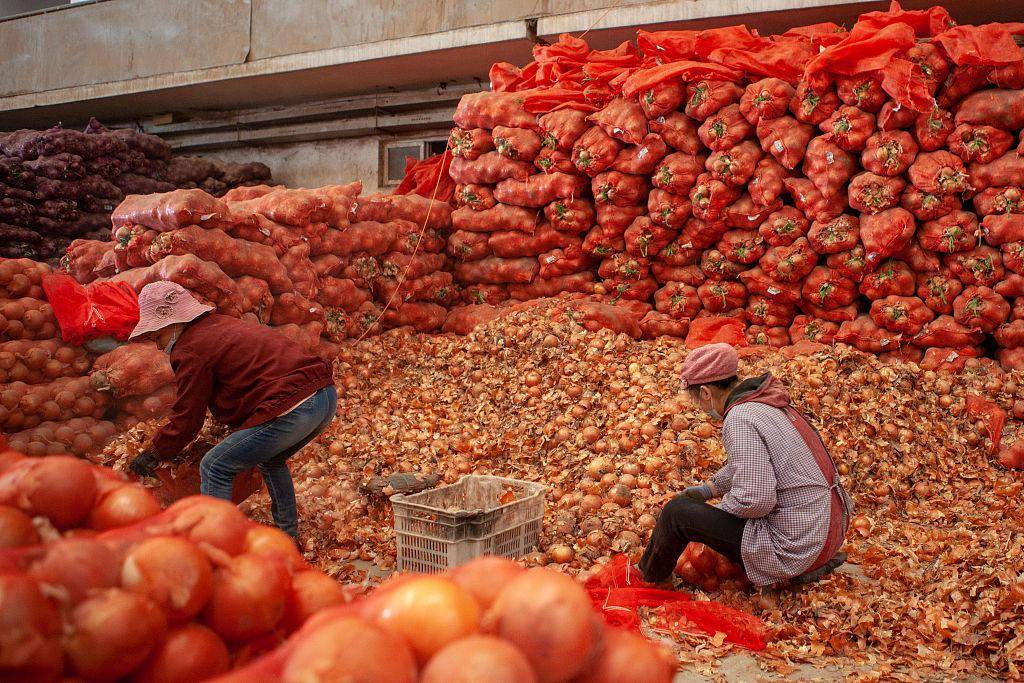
{"x": 810, "y": 577}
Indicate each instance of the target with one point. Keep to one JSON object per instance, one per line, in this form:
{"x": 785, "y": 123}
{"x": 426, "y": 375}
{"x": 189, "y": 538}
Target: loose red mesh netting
{"x": 619, "y": 592}
{"x": 991, "y": 414}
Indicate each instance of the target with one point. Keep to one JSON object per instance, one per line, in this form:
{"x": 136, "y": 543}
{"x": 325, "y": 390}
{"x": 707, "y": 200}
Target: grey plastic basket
{"x": 444, "y": 527}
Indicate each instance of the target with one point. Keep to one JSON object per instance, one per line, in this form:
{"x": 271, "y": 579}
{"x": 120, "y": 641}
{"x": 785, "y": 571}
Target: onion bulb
{"x": 629, "y": 658}
{"x": 484, "y": 577}
{"x": 549, "y": 618}
{"x": 122, "y": 506}
{"x": 75, "y": 567}
{"x": 266, "y": 540}
{"x": 478, "y": 658}
{"x": 62, "y": 489}
{"x": 560, "y": 554}
{"x": 31, "y": 626}
{"x": 172, "y": 572}
{"x": 311, "y": 592}
{"x": 211, "y": 520}
{"x": 16, "y": 528}
{"x": 111, "y": 633}
{"x": 350, "y": 650}
{"x": 190, "y": 652}
{"x": 429, "y": 613}
{"x": 248, "y": 597}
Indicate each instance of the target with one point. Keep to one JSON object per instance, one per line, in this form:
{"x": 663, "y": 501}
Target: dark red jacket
{"x": 244, "y": 373}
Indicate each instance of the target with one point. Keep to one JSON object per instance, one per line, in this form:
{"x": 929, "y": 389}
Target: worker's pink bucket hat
{"x": 709, "y": 363}
{"x": 166, "y": 303}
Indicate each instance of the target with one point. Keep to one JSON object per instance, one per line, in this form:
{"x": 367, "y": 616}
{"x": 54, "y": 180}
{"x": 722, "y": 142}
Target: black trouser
{"x": 686, "y": 520}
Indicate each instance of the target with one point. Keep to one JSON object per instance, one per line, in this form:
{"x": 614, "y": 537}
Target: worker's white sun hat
{"x": 166, "y": 303}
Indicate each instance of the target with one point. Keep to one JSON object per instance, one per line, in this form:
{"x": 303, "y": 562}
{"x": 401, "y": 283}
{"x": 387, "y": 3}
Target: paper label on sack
{"x": 830, "y": 157}
{"x": 884, "y": 342}
{"x": 207, "y": 216}
{"x": 618, "y": 131}
{"x": 688, "y": 245}
{"x": 774, "y": 290}
{"x": 778, "y": 146}
{"x": 953, "y": 355}
{"x": 642, "y": 153}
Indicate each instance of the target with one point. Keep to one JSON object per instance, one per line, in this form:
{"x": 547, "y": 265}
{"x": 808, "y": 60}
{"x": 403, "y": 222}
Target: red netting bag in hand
{"x": 86, "y": 312}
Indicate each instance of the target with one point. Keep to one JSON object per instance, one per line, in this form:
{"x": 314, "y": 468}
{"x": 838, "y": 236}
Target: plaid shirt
{"x": 773, "y": 481}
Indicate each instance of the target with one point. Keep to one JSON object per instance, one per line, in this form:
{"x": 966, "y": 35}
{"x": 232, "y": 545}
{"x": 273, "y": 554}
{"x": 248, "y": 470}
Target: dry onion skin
{"x": 939, "y": 583}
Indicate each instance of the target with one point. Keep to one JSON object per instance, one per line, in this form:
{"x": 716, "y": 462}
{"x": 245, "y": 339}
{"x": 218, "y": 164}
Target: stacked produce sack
{"x": 98, "y": 584}
{"x": 824, "y": 185}
{"x": 60, "y": 184}
{"x": 47, "y": 402}
{"x": 321, "y": 265}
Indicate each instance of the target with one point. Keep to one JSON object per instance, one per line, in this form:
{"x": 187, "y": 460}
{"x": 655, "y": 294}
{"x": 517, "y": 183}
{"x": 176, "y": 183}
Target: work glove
{"x": 144, "y": 465}
{"x": 701, "y": 493}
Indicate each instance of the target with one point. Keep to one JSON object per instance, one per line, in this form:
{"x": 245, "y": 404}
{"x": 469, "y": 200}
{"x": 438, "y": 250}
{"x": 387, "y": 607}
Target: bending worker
{"x": 782, "y": 513}
{"x": 253, "y": 379}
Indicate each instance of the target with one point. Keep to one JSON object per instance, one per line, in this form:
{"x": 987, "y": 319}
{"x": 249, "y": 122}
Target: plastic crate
{"x": 444, "y": 527}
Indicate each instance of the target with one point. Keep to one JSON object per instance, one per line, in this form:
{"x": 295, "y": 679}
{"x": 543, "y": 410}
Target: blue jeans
{"x": 268, "y": 447}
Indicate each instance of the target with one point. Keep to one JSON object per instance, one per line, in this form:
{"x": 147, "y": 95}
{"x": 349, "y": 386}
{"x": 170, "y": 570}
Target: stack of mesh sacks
{"x": 862, "y": 187}
{"x": 320, "y": 265}
{"x": 48, "y": 404}
{"x": 58, "y": 184}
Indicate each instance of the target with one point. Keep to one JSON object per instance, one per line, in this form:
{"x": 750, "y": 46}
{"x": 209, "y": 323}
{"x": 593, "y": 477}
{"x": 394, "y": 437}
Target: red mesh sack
{"x": 476, "y": 197}
{"x": 365, "y": 236}
{"x": 412, "y": 266}
{"x": 718, "y": 297}
{"x": 734, "y": 166}
{"x": 982, "y": 265}
{"x": 342, "y": 293}
{"x": 520, "y": 144}
{"x": 570, "y": 215}
{"x": 293, "y": 308}
{"x": 707, "y": 97}
{"x": 806, "y": 328}
{"x": 1009, "y": 360}
{"x": 554, "y": 161}
{"x": 677, "y": 173}
{"x": 709, "y": 197}
{"x": 763, "y": 311}
{"x": 615, "y": 219}
{"x": 786, "y": 139}
{"x": 700, "y": 234}
{"x": 828, "y": 289}
{"x": 620, "y": 189}
{"x": 470, "y": 144}
{"x": 997, "y": 200}
{"x": 919, "y": 260}
{"x": 790, "y": 263}
{"x": 835, "y": 315}
{"x": 813, "y": 105}
{"x": 513, "y": 243}
{"x": 1011, "y": 286}
{"x": 871, "y": 193}
{"x": 864, "y": 335}
{"x": 938, "y": 291}
{"x": 1003, "y": 229}
{"x": 948, "y": 359}
{"x": 654, "y": 325}
{"x": 767, "y": 184}
{"x": 998, "y": 108}
{"x": 630, "y": 290}
{"x": 235, "y": 257}
{"x": 933, "y": 128}
{"x": 889, "y": 153}
{"x": 204, "y": 279}
{"x": 662, "y": 98}
{"x": 645, "y": 239}
{"x": 783, "y": 227}
{"x": 539, "y": 190}
{"x": 893, "y": 116}
{"x": 893, "y": 277}
{"x": 1013, "y": 256}
{"x": 485, "y": 294}
{"x": 678, "y": 131}
{"x": 173, "y": 210}
{"x": 563, "y": 261}
{"x": 595, "y": 151}
{"x": 828, "y": 166}
{"x": 423, "y": 317}
{"x": 624, "y": 267}
{"x": 837, "y": 235}
{"x": 678, "y": 300}
{"x": 717, "y": 267}
{"x": 1007, "y": 170}
{"x": 553, "y": 286}
{"x": 886, "y": 233}
{"x": 904, "y": 314}
{"x": 926, "y": 206}
{"x": 946, "y": 332}
{"x": 411, "y": 238}
{"x": 594, "y": 315}
{"x": 563, "y": 128}
{"x": 812, "y": 202}
{"x": 488, "y": 169}
{"x": 744, "y": 214}
{"x": 954, "y": 232}
{"x": 742, "y": 246}
{"x": 1010, "y": 335}
{"x": 987, "y": 411}
{"x": 939, "y": 173}
{"x": 863, "y": 92}
{"x": 715, "y": 330}
{"x": 979, "y": 144}
{"x": 622, "y": 119}
{"x": 775, "y": 337}
{"x": 600, "y": 242}
{"x": 667, "y": 209}
{"x": 499, "y": 217}
{"x": 464, "y": 319}
{"x": 758, "y": 282}
{"x": 852, "y": 264}
{"x": 496, "y": 271}
{"x": 641, "y": 159}
{"x": 724, "y": 129}
{"x": 980, "y": 308}
{"x": 766, "y": 99}
{"x": 849, "y": 128}
{"x": 489, "y": 109}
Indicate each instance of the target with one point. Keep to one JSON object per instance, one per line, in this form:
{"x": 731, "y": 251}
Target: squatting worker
{"x": 253, "y": 379}
{"x": 782, "y": 512}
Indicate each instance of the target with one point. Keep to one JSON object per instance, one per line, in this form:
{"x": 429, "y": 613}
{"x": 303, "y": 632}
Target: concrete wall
{"x": 312, "y": 164}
